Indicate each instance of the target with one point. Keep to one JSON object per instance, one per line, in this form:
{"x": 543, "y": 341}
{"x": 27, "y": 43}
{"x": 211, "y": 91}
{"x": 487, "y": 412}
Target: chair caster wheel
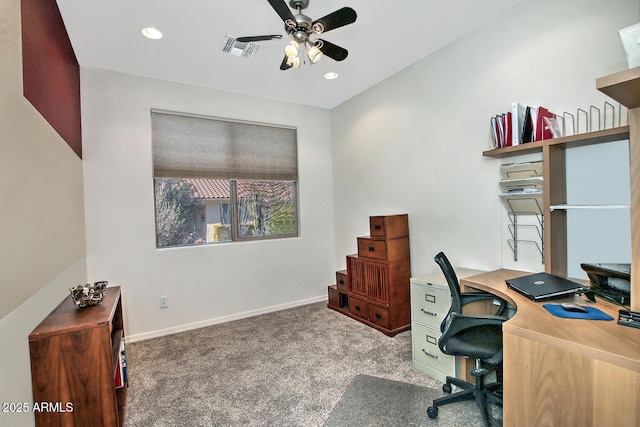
{"x": 446, "y": 388}
{"x": 432, "y": 412}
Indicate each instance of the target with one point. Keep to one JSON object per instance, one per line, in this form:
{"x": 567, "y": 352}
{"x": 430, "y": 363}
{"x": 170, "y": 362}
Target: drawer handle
{"x": 378, "y": 316}
{"x": 428, "y": 312}
{"x": 358, "y": 307}
{"x": 377, "y": 227}
{"x": 372, "y": 249}
{"x": 435, "y": 356}
{"x": 341, "y": 282}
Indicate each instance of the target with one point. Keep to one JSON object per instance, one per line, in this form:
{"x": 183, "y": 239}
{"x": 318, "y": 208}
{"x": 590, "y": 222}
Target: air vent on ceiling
{"x": 241, "y": 49}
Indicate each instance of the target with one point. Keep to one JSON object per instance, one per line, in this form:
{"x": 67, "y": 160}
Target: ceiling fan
{"x": 301, "y": 28}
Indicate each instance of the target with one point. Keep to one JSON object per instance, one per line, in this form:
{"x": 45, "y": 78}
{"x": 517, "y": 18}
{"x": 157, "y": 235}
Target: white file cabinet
{"x": 430, "y": 303}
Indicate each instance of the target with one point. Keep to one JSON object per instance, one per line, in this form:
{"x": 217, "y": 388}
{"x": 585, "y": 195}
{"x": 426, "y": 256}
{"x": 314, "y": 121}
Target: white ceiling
{"x": 387, "y": 36}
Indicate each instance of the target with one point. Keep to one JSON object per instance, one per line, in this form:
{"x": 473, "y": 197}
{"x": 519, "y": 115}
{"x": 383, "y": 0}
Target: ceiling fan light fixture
{"x": 292, "y": 49}
{"x": 293, "y": 61}
{"x": 314, "y": 53}
{"x": 151, "y": 33}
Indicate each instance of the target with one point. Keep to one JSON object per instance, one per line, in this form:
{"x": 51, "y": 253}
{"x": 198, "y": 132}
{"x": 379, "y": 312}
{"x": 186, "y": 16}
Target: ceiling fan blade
{"x": 282, "y": 9}
{"x": 337, "y": 19}
{"x": 259, "y": 38}
{"x": 285, "y": 66}
{"x": 333, "y": 51}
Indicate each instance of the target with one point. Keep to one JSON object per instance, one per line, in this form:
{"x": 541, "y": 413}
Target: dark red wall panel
{"x": 51, "y": 74}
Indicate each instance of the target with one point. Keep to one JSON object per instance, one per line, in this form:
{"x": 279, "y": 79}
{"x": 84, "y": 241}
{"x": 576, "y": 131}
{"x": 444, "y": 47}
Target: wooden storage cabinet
{"x": 377, "y": 277}
{"x": 75, "y": 356}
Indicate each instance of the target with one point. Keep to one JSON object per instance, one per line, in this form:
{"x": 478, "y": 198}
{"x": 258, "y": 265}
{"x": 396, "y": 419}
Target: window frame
{"x": 233, "y": 201}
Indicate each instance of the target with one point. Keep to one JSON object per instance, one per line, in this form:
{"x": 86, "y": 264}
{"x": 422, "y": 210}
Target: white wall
{"x": 42, "y": 227}
{"x": 42, "y": 236}
{"x": 204, "y": 284}
{"x": 598, "y": 175}
{"x": 15, "y": 375}
{"x": 414, "y": 142}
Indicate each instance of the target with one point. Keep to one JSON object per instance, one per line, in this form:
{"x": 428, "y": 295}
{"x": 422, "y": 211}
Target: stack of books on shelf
{"x": 122, "y": 378}
{"x": 522, "y": 125}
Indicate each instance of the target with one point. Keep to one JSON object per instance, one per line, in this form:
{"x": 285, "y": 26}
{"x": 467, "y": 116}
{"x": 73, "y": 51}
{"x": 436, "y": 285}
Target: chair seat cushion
{"x": 481, "y": 342}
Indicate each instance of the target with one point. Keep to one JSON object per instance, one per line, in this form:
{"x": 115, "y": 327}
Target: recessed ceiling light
{"x": 151, "y": 33}
{"x": 331, "y": 75}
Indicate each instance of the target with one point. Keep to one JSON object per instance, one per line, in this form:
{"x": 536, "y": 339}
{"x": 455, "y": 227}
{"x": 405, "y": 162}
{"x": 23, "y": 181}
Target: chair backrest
{"x": 452, "y": 280}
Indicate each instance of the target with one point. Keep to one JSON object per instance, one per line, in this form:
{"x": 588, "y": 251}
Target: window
{"x": 220, "y": 181}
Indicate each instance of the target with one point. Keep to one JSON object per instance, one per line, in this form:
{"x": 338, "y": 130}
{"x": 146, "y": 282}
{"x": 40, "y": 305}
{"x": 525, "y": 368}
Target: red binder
{"x": 542, "y": 130}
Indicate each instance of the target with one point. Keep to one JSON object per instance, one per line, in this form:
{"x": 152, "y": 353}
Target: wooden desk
{"x": 565, "y": 372}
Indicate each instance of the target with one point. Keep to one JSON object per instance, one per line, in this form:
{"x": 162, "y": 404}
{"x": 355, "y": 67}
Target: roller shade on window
{"x": 187, "y": 146}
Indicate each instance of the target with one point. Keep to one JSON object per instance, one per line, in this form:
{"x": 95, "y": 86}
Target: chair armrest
{"x": 469, "y": 297}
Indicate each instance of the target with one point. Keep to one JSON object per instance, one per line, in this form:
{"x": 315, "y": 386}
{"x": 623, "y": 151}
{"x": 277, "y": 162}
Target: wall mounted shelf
{"x": 555, "y": 206}
{"x": 623, "y": 87}
{"x": 589, "y": 138}
{"x": 587, "y": 207}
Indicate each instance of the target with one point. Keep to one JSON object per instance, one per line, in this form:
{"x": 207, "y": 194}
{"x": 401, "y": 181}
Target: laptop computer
{"x": 543, "y": 286}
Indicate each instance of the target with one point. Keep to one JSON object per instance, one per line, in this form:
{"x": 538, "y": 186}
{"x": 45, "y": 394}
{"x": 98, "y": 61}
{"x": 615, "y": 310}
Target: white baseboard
{"x": 223, "y": 319}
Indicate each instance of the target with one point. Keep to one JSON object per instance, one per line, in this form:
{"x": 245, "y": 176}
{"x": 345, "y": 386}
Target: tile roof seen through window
{"x": 210, "y": 188}
{"x": 219, "y": 189}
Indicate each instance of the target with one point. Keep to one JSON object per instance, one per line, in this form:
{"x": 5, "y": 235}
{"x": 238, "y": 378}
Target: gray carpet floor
{"x": 296, "y": 367}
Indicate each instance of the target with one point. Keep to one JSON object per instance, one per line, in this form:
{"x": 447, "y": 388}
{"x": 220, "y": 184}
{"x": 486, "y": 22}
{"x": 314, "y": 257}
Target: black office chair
{"x": 473, "y": 336}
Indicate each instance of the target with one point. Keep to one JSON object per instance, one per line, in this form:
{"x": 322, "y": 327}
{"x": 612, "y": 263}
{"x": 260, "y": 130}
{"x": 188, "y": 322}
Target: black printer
{"x": 610, "y": 281}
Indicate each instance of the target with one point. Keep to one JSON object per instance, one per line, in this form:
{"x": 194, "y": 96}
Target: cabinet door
{"x": 369, "y": 279}
{"x": 355, "y": 276}
{"x": 377, "y": 280}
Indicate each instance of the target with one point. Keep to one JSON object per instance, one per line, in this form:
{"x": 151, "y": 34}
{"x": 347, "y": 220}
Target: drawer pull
{"x": 358, "y": 307}
{"x": 341, "y": 282}
{"x": 435, "y": 356}
{"x": 377, "y": 227}
{"x": 428, "y": 312}
{"x": 378, "y": 316}
{"x": 372, "y": 249}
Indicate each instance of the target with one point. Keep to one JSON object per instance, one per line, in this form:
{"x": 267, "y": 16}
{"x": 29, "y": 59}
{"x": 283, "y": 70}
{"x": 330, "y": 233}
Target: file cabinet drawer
{"x": 426, "y": 350}
{"x": 429, "y": 304}
{"x": 379, "y": 315}
{"x": 358, "y": 307}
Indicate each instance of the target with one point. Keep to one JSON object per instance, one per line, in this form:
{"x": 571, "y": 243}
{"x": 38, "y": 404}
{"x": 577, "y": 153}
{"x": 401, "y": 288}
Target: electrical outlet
{"x": 164, "y": 302}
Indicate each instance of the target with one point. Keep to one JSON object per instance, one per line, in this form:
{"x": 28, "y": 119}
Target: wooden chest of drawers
{"x": 377, "y": 277}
